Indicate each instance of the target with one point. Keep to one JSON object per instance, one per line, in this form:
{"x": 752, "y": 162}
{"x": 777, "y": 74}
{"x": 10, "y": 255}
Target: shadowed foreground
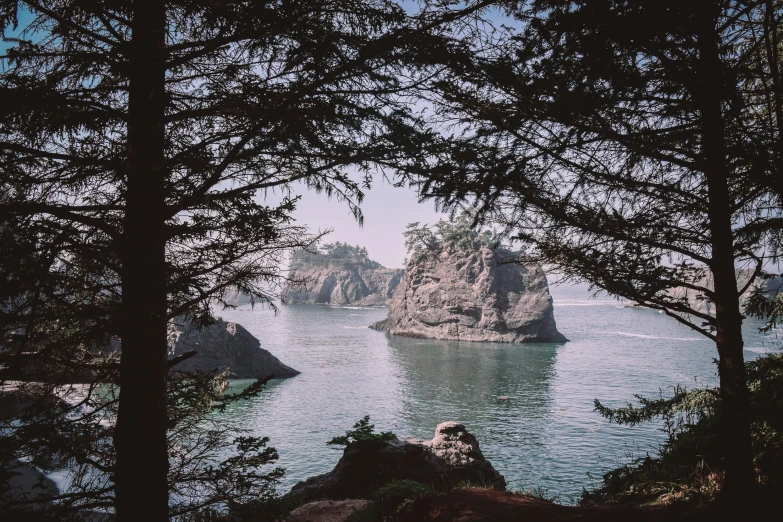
{"x": 486, "y": 505}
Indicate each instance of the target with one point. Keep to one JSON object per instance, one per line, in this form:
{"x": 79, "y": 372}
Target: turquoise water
{"x": 531, "y": 406}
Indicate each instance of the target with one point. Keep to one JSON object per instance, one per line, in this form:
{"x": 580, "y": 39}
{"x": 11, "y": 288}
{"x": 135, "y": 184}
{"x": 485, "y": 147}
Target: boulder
{"x": 452, "y": 457}
{"x": 472, "y": 295}
{"x": 27, "y": 483}
{"x": 31, "y": 399}
{"x": 327, "y": 511}
{"x": 226, "y": 347}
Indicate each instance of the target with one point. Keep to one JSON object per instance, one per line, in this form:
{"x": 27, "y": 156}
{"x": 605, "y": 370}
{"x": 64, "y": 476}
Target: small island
{"x": 340, "y": 274}
{"x": 461, "y": 284}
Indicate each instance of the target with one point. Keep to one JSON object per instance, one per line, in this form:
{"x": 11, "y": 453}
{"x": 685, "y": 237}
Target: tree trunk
{"x": 770, "y": 36}
{"x": 140, "y": 437}
{"x": 734, "y": 395}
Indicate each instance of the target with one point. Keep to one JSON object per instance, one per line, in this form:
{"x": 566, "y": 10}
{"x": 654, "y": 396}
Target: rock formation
{"x": 226, "y": 347}
{"x": 343, "y": 285}
{"x": 452, "y": 457}
{"x": 467, "y": 295}
{"x": 341, "y": 274}
{"x": 28, "y": 483}
{"x": 328, "y": 511}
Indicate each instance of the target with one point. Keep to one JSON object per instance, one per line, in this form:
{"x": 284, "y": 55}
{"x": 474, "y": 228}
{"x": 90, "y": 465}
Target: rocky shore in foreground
{"x": 453, "y": 456}
{"x": 373, "y": 469}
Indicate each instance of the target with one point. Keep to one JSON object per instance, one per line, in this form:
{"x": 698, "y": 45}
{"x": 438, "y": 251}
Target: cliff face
{"x": 341, "y": 284}
{"x": 467, "y": 296}
{"x": 225, "y": 347}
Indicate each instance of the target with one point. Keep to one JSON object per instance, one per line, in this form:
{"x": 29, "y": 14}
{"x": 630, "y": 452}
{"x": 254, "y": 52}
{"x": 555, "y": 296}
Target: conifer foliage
{"x": 635, "y": 145}
{"x": 136, "y": 142}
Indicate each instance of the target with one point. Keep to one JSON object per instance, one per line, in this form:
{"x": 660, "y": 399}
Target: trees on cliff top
{"x": 457, "y": 234}
{"x": 332, "y": 253}
{"x": 135, "y": 141}
{"x": 635, "y": 145}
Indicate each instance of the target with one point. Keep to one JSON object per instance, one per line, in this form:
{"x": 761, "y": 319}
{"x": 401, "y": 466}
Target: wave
{"x": 644, "y": 336}
{"x": 760, "y": 349}
{"x": 355, "y": 327}
{"x": 613, "y": 304}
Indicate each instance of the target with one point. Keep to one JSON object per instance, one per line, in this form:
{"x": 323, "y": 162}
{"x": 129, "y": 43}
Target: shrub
{"x": 363, "y": 431}
{"x": 689, "y": 464}
{"x": 392, "y": 494}
{"x": 541, "y": 494}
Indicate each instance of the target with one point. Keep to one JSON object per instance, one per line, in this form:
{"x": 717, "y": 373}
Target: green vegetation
{"x": 459, "y": 234}
{"x": 631, "y": 155}
{"x": 336, "y": 253}
{"x": 691, "y": 463}
{"x": 395, "y": 494}
{"x": 767, "y": 304}
{"x": 362, "y": 431}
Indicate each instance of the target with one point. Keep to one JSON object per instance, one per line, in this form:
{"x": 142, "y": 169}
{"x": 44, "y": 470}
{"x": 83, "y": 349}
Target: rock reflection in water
{"x": 500, "y": 392}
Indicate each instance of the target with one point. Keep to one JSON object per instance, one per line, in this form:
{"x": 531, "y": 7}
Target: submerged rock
{"x": 452, "y": 457}
{"x": 226, "y": 347}
{"x": 468, "y": 295}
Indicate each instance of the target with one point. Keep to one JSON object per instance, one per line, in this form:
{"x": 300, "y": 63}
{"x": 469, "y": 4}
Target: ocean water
{"x": 531, "y": 406}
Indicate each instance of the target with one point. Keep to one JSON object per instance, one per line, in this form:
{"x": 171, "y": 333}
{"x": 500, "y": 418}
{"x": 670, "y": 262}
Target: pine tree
{"x": 634, "y": 145}
{"x": 135, "y": 141}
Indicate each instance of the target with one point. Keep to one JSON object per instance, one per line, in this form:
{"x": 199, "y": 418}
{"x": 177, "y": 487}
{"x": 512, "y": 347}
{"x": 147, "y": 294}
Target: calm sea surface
{"x": 531, "y": 406}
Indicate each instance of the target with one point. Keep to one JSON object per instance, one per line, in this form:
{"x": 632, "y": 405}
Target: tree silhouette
{"x": 634, "y": 145}
{"x": 135, "y": 141}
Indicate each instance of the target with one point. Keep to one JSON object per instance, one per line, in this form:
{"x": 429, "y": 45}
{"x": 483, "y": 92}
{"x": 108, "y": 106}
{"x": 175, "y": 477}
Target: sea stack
{"x": 472, "y": 294}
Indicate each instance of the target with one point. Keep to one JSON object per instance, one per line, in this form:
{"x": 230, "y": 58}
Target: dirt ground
{"x": 485, "y": 505}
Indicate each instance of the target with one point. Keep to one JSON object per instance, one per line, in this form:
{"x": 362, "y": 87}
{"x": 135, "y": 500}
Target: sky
{"x": 387, "y": 210}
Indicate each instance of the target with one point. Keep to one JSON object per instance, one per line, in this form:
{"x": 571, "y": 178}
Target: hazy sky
{"x": 386, "y": 212}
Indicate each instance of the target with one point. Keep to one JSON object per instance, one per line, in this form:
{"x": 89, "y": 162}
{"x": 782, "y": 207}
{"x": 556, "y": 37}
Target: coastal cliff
{"x": 467, "y": 294}
{"x": 340, "y": 274}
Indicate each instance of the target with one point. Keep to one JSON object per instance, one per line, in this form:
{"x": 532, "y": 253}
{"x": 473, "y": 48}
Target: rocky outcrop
{"x": 27, "y": 483}
{"x": 451, "y": 458}
{"x": 328, "y": 511}
{"x": 226, "y": 347}
{"x": 344, "y": 284}
{"x": 470, "y": 296}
